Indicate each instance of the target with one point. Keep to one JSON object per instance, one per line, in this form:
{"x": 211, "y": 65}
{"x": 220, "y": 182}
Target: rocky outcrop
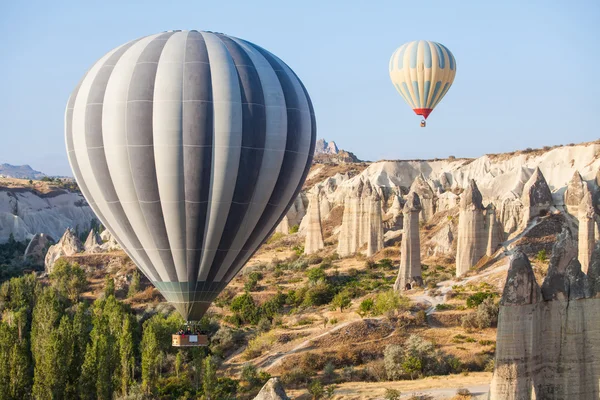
{"x": 393, "y": 216}
{"x": 93, "y": 243}
{"x": 314, "y": 232}
{"x": 37, "y": 248}
{"x": 586, "y": 233}
{"x": 472, "y": 235}
{"x": 574, "y": 194}
{"x": 273, "y": 390}
{"x": 426, "y": 195}
{"x": 548, "y": 344}
{"x": 361, "y": 222}
{"x": 409, "y": 273}
{"x": 536, "y": 197}
{"x": 495, "y": 233}
{"x": 68, "y": 245}
{"x": 108, "y": 241}
{"x": 284, "y": 226}
{"x": 441, "y": 242}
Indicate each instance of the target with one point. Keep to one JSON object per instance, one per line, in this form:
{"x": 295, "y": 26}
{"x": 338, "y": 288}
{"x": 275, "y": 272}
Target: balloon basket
{"x": 189, "y": 340}
{"x": 423, "y": 123}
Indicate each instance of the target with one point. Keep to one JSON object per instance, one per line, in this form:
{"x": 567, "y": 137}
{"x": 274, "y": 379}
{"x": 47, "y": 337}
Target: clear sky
{"x": 527, "y": 71}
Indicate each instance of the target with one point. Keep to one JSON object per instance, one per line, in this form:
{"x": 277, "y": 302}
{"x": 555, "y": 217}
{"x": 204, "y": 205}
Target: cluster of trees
{"x": 55, "y": 345}
{"x": 11, "y": 258}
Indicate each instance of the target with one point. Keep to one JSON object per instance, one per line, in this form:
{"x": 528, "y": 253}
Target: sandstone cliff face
{"x": 24, "y": 212}
{"x": 495, "y": 233}
{"x": 314, "y": 232}
{"x": 68, "y": 245}
{"x": 574, "y": 194}
{"x": 586, "y": 233}
{"x": 472, "y": 235}
{"x": 548, "y": 343}
{"x": 409, "y": 273}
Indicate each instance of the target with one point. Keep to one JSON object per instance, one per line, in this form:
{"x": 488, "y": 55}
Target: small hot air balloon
{"x": 422, "y": 72}
{"x": 190, "y": 147}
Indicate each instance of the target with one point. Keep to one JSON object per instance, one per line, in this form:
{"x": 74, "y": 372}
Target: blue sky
{"x": 526, "y": 77}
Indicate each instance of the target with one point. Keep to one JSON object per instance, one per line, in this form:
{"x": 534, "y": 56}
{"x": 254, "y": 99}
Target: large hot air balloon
{"x": 190, "y": 147}
{"x": 422, "y": 73}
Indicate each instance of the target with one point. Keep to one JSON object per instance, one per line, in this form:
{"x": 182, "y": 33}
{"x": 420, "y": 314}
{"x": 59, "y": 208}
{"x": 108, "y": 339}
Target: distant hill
{"x": 326, "y": 152}
{"x": 20, "y": 172}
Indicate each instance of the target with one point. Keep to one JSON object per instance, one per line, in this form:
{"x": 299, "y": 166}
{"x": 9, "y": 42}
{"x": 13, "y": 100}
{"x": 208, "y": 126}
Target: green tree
{"x": 134, "y": 286}
{"x": 366, "y": 307}
{"x": 209, "y": 378}
{"x": 316, "y": 390}
{"x": 46, "y": 346}
{"x": 341, "y": 301}
{"x": 109, "y": 286}
{"x": 316, "y": 274}
{"x": 69, "y": 279}
{"x": 126, "y": 349}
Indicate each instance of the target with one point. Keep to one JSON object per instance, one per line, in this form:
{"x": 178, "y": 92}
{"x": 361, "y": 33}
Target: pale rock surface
{"x": 441, "y": 242}
{"x": 586, "y": 231}
{"x": 394, "y": 216}
{"x": 68, "y": 245}
{"x": 444, "y": 181}
{"x": 109, "y": 243}
{"x": 24, "y": 212}
{"x": 495, "y": 233}
{"x": 37, "y": 248}
{"x": 548, "y": 344}
{"x": 284, "y": 226}
{"x": 273, "y": 390}
{"x": 574, "y": 194}
{"x": 410, "y": 250}
{"x": 426, "y": 195}
{"x": 361, "y": 222}
{"x": 314, "y": 232}
{"x": 472, "y": 234}
{"x": 93, "y": 243}
{"x": 536, "y": 197}
{"x": 447, "y": 200}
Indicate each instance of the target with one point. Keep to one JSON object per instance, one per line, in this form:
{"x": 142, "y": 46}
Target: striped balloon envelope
{"x": 190, "y": 147}
{"x": 422, "y": 72}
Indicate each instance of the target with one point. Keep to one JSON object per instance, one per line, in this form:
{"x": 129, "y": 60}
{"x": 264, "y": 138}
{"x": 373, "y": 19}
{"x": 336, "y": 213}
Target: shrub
{"x": 386, "y": 263}
{"x": 416, "y": 357}
{"x": 226, "y": 340}
{"x": 298, "y": 249}
{"x": 259, "y": 345}
{"x": 264, "y": 325}
{"x": 316, "y": 274}
{"x": 476, "y": 299}
{"x": 341, "y": 301}
{"x": 252, "y": 281}
{"x": 329, "y": 371}
{"x": 245, "y": 307}
{"x": 370, "y": 264}
{"x": 390, "y": 302}
{"x": 296, "y": 376}
{"x": 275, "y": 237}
{"x": 391, "y": 394}
{"x": 316, "y": 390}
{"x": 366, "y": 307}
{"x": 318, "y": 294}
{"x": 541, "y": 256}
{"x": 134, "y": 286}
{"x": 294, "y": 229}
{"x": 253, "y": 376}
{"x": 443, "y": 306}
{"x": 487, "y": 313}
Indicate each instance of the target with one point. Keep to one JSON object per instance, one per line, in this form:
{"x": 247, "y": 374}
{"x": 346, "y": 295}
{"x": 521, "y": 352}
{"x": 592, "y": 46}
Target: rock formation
{"x": 587, "y": 224}
{"x": 441, "y": 242}
{"x": 361, "y": 222}
{"x": 536, "y": 197}
{"x": 273, "y": 390}
{"x": 426, "y": 195}
{"x": 548, "y": 343}
{"x": 284, "y": 226}
{"x": 68, "y": 245}
{"x": 93, "y": 243}
{"x": 444, "y": 182}
{"x": 314, "y": 232}
{"x": 409, "y": 273}
{"x": 394, "y": 216}
{"x": 471, "y": 235}
{"x": 574, "y": 194}
{"x": 37, "y": 248}
{"x": 108, "y": 241}
{"x": 447, "y": 201}
{"x": 495, "y": 233}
